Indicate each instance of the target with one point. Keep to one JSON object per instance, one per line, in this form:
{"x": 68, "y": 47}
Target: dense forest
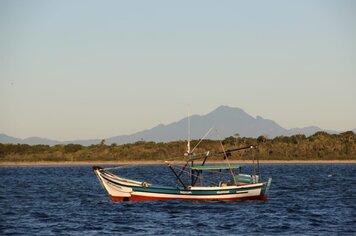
{"x": 320, "y": 146}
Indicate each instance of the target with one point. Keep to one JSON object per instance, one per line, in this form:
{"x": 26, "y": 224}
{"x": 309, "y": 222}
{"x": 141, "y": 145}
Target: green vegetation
{"x": 320, "y": 146}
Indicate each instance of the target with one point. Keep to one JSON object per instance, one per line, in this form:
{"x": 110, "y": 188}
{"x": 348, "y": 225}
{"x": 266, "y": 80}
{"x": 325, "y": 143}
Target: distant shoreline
{"x": 114, "y": 163}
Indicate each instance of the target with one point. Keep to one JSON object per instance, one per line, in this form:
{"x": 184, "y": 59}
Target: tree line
{"x": 320, "y": 146}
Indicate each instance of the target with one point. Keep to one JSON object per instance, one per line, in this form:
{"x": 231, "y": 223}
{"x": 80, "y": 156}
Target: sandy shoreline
{"x": 115, "y": 163}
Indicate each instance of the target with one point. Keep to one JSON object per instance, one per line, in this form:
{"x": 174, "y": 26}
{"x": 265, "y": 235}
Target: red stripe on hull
{"x": 145, "y": 198}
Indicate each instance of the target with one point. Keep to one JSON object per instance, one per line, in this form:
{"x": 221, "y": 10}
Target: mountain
{"x": 31, "y": 141}
{"x": 310, "y": 130}
{"x": 8, "y": 139}
{"x": 37, "y": 140}
{"x": 228, "y": 121}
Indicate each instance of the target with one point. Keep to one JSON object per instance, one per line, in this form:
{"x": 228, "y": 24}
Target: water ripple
{"x": 304, "y": 199}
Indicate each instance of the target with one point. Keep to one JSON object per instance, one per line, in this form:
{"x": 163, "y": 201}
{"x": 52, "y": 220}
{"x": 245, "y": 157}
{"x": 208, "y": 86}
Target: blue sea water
{"x": 304, "y": 200}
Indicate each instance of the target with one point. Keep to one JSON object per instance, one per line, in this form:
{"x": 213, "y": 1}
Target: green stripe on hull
{"x": 194, "y": 192}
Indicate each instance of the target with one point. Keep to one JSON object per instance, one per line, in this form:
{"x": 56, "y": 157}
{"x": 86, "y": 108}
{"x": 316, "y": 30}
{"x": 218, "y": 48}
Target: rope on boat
{"x": 125, "y": 166}
{"x": 206, "y": 134}
{"x": 227, "y": 159}
{"x": 113, "y": 168}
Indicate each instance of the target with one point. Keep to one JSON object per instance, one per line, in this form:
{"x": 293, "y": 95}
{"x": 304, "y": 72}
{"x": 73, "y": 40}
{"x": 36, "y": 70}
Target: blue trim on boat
{"x": 194, "y": 192}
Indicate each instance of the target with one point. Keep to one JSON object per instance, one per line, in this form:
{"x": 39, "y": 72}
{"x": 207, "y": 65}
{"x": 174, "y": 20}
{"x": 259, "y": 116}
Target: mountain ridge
{"x": 229, "y": 121}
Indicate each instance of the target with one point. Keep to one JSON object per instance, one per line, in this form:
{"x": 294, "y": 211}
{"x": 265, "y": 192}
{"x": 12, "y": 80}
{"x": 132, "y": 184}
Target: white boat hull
{"x": 121, "y": 189}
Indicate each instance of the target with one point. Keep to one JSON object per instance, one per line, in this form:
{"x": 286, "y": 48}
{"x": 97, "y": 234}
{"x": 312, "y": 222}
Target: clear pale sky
{"x": 96, "y": 69}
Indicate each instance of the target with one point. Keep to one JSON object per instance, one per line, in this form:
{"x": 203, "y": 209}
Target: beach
{"x": 114, "y": 163}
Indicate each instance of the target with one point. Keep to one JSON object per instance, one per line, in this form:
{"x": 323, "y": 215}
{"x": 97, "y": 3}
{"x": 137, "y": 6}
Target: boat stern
{"x": 266, "y": 188}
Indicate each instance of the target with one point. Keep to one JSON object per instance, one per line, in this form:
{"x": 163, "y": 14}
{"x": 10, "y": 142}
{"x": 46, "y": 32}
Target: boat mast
{"x": 188, "y": 149}
{"x": 188, "y": 144}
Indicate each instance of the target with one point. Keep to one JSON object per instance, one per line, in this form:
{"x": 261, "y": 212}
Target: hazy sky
{"x": 96, "y": 69}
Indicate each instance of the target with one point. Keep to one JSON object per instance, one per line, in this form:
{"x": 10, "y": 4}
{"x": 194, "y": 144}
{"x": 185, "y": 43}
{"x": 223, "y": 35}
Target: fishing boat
{"x": 195, "y": 180}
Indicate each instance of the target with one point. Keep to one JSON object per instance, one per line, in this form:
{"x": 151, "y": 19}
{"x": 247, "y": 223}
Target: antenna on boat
{"x": 188, "y": 143}
{"x": 188, "y": 131}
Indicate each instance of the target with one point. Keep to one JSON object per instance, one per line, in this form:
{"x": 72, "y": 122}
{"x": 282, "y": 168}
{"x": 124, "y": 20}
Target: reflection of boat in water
{"x": 194, "y": 181}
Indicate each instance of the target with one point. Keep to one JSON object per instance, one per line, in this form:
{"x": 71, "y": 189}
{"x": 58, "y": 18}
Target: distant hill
{"x": 36, "y": 140}
{"x": 227, "y": 120}
{"x": 31, "y": 141}
{"x": 8, "y": 139}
